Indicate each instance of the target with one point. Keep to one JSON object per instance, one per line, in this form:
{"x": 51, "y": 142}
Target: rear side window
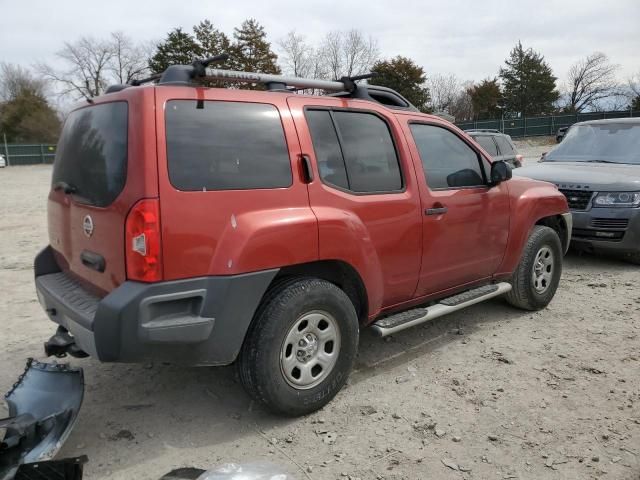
{"x": 91, "y": 156}
{"x": 488, "y": 144}
{"x": 327, "y": 148}
{"x": 504, "y": 146}
{"x": 355, "y": 151}
{"x": 447, "y": 160}
{"x": 226, "y": 146}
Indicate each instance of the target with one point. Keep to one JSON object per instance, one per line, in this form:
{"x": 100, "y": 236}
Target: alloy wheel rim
{"x": 310, "y": 350}
{"x": 543, "y": 267}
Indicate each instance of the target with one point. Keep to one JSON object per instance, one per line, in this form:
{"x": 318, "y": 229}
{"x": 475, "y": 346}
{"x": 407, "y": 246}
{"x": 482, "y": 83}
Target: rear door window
{"x": 354, "y": 151}
{"x": 91, "y": 156}
{"x": 226, "y": 146}
{"x": 488, "y": 144}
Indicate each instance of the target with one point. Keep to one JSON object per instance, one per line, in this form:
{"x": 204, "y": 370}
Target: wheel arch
{"x": 339, "y": 273}
{"x": 561, "y": 226}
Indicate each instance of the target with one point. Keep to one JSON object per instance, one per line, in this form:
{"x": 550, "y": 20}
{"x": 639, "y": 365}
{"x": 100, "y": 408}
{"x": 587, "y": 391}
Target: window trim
{"x": 284, "y": 135}
{"x": 332, "y": 109}
{"x": 481, "y": 159}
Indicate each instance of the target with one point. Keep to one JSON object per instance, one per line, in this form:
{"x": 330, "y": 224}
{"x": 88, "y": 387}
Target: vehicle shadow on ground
{"x": 134, "y": 413}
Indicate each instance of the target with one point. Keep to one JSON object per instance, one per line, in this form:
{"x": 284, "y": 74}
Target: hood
{"x": 604, "y": 177}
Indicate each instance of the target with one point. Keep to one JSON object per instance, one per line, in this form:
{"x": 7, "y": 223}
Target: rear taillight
{"x": 142, "y": 242}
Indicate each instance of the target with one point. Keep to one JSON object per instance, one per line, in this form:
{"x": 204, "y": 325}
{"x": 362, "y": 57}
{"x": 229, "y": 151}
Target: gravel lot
{"x": 490, "y": 392}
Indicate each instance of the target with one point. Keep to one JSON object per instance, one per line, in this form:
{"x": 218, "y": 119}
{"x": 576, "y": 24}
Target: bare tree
{"x": 16, "y": 80}
{"x": 590, "y": 80}
{"x": 348, "y": 53}
{"x": 634, "y": 91}
{"x": 129, "y": 60}
{"x": 462, "y": 107}
{"x": 443, "y": 89}
{"x": 297, "y": 55}
{"x": 92, "y": 64}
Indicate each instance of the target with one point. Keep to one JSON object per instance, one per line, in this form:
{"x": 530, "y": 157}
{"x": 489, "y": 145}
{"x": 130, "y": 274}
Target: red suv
{"x": 207, "y": 226}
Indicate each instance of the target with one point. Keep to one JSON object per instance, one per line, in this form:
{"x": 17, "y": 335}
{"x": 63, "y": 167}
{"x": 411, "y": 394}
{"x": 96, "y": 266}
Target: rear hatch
{"x": 98, "y": 175}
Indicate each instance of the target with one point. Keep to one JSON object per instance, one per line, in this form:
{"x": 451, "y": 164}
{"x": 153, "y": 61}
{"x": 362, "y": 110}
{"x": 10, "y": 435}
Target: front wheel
{"x": 537, "y": 276}
{"x": 301, "y": 346}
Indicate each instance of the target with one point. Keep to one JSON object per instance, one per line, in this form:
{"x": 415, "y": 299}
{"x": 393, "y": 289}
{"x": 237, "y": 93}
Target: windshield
{"x": 91, "y": 158}
{"x": 607, "y": 142}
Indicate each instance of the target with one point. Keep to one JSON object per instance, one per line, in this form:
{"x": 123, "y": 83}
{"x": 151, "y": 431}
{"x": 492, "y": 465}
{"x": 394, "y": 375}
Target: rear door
{"x": 231, "y": 196}
{"x": 465, "y": 222}
{"x": 365, "y": 173}
{"x": 104, "y": 163}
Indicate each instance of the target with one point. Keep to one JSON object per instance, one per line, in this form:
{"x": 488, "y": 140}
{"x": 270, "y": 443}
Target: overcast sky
{"x": 469, "y": 39}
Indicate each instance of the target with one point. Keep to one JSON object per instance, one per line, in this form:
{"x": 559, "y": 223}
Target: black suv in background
{"x": 498, "y": 145}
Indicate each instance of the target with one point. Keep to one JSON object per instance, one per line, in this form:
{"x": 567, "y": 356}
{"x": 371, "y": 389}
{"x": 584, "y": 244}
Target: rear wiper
{"x": 600, "y": 161}
{"x": 67, "y": 188}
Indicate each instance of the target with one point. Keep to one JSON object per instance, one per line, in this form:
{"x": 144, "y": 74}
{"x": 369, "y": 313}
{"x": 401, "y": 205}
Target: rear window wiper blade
{"x": 67, "y": 188}
{"x": 600, "y": 161}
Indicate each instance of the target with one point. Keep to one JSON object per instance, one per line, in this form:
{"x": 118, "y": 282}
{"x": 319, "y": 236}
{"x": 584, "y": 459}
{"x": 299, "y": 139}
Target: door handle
{"x": 307, "y": 171}
{"x": 436, "y": 210}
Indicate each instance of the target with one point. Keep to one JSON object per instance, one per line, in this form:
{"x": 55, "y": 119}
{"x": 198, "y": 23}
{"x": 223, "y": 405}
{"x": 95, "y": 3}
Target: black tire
{"x": 525, "y": 294}
{"x": 259, "y": 363}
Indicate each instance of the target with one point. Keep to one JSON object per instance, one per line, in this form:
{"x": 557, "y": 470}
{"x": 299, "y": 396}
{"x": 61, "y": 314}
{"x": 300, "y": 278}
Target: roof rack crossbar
{"x": 266, "y": 78}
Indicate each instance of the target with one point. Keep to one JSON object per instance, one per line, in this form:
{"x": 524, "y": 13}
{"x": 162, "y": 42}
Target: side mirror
{"x": 500, "y": 172}
{"x": 542, "y": 157}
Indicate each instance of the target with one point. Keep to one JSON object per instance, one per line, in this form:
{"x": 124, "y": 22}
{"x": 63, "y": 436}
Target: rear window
{"x": 91, "y": 157}
{"x": 488, "y": 144}
{"x": 504, "y": 145}
{"x": 226, "y": 146}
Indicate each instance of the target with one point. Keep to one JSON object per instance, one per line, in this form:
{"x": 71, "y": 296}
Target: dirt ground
{"x": 490, "y": 392}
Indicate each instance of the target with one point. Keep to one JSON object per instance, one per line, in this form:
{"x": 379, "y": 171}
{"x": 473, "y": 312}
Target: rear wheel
{"x": 537, "y": 276}
{"x": 301, "y": 346}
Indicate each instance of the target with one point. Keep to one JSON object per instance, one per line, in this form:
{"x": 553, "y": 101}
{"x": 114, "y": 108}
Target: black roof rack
{"x": 345, "y": 87}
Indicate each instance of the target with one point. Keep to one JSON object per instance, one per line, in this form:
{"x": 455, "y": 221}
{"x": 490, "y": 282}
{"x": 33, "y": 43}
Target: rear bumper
{"x": 607, "y": 230}
{"x": 199, "y": 321}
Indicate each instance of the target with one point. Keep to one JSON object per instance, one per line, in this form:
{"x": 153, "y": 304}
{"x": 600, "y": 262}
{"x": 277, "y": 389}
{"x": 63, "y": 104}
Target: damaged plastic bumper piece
{"x": 43, "y": 407}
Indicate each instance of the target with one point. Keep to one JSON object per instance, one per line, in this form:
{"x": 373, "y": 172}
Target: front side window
{"x": 226, "y": 146}
{"x": 447, "y": 160}
{"x": 354, "y": 151}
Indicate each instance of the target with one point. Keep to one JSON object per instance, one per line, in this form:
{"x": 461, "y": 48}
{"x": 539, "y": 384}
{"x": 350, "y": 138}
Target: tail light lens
{"x": 143, "y": 242}
{"x": 519, "y": 159}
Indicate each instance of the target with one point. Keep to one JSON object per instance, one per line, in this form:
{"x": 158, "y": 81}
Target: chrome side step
{"x": 409, "y": 318}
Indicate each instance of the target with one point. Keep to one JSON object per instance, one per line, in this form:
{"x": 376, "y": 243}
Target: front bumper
{"x": 612, "y": 230}
{"x": 199, "y": 321}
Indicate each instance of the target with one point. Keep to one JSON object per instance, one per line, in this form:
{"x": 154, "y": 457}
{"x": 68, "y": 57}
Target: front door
{"x": 465, "y": 221}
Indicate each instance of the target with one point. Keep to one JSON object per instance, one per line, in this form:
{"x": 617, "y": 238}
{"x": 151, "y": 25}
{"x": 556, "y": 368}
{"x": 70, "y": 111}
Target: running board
{"x": 409, "y": 318}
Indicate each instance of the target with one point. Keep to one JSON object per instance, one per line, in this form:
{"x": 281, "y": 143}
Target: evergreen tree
{"x": 211, "y": 40}
{"x": 404, "y": 76}
{"x": 27, "y": 117}
{"x": 485, "y": 98}
{"x": 528, "y": 84}
{"x": 179, "y": 48}
{"x": 251, "y": 52}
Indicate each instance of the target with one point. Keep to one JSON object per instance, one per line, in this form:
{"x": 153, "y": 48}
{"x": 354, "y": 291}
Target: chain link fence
{"x": 16, "y": 154}
{"x": 538, "y": 126}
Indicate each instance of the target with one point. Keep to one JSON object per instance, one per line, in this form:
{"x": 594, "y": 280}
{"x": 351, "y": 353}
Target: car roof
{"x": 476, "y": 133}
{"x": 609, "y": 121}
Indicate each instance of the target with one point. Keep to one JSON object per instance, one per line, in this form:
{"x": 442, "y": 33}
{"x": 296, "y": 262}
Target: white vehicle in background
{"x": 3, "y": 162}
